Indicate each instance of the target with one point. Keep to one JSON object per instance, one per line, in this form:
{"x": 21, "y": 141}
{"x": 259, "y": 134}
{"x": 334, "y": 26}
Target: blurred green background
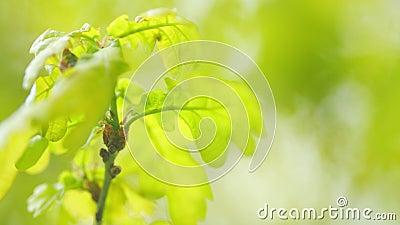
{"x": 334, "y": 69}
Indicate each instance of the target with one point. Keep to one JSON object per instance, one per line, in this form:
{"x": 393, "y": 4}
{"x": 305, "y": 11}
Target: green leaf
{"x": 137, "y": 203}
{"x": 74, "y": 96}
{"x": 56, "y": 129}
{"x": 49, "y": 47}
{"x": 215, "y": 123}
{"x": 32, "y": 72}
{"x": 43, "y": 197}
{"x": 63, "y": 217}
{"x": 118, "y": 213}
{"x": 41, "y": 164}
{"x": 15, "y": 133}
{"x": 235, "y": 118}
{"x": 121, "y": 87}
{"x": 78, "y": 204}
{"x": 86, "y": 41}
{"x": 87, "y": 31}
{"x": 78, "y": 94}
{"x": 254, "y": 116}
{"x": 32, "y": 153}
{"x": 170, "y": 83}
{"x": 73, "y": 78}
{"x": 162, "y": 27}
{"x": 87, "y": 159}
{"x": 212, "y": 135}
{"x": 155, "y": 29}
{"x": 188, "y": 205}
{"x": 44, "y": 85}
{"x": 69, "y": 180}
{"x": 154, "y": 100}
{"x": 44, "y": 40}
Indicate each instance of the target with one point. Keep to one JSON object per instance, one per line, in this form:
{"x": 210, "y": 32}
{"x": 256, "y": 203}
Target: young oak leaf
{"x": 32, "y": 72}
{"x": 161, "y": 23}
{"x": 41, "y": 164}
{"x": 56, "y": 129}
{"x": 87, "y": 91}
{"x": 44, "y": 40}
{"x": 138, "y": 204}
{"x": 210, "y": 126}
{"x": 32, "y": 153}
{"x": 44, "y": 196}
{"x": 154, "y": 29}
{"x": 237, "y": 120}
{"x": 78, "y": 204}
{"x": 186, "y": 205}
{"x": 51, "y": 44}
{"x": 15, "y": 133}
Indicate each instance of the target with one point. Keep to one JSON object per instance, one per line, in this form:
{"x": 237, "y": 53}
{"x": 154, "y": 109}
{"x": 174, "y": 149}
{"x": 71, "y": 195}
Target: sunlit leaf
{"x": 44, "y": 40}
{"x": 217, "y": 127}
{"x": 138, "y": 204}
{"x": 158, "y": 28}
{"x": 41, "y": 164}
{"x": 73, "y": 78}
{"x": 70, "y": 180}
{"x": 15, "y": 134}
{"x": 44, "y": 84}
{"x": 170, "y": 83}
{"x": 116, "y": 213}
{"x": 95, "y": 80}
{"x": 188, "y": 205}
{"x": 33, "y": 69}
{"x": 50, "y": 48}
{"x": 78, "y": 204}
{"x": 56, "y": 129}
{"x": 154, "y": 100}
{"x": 43, "y": 197}
{"x": 32, "y": 153}
{"x": 91, "y": 79}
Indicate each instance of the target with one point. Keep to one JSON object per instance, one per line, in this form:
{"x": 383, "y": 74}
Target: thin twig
{"x": 110, "y": 169}
{"x": 104, "y": 190}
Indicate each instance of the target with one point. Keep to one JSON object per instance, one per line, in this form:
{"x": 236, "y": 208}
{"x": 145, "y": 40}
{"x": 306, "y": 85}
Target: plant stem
{"x": 106, "y": 185}
{"x": 164, "y": 109}
{"x": 108, "y": 164}
{"x": 149, "y": 27}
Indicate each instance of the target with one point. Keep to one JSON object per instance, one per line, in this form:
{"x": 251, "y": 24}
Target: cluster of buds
{"x": 113, "y": 138}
